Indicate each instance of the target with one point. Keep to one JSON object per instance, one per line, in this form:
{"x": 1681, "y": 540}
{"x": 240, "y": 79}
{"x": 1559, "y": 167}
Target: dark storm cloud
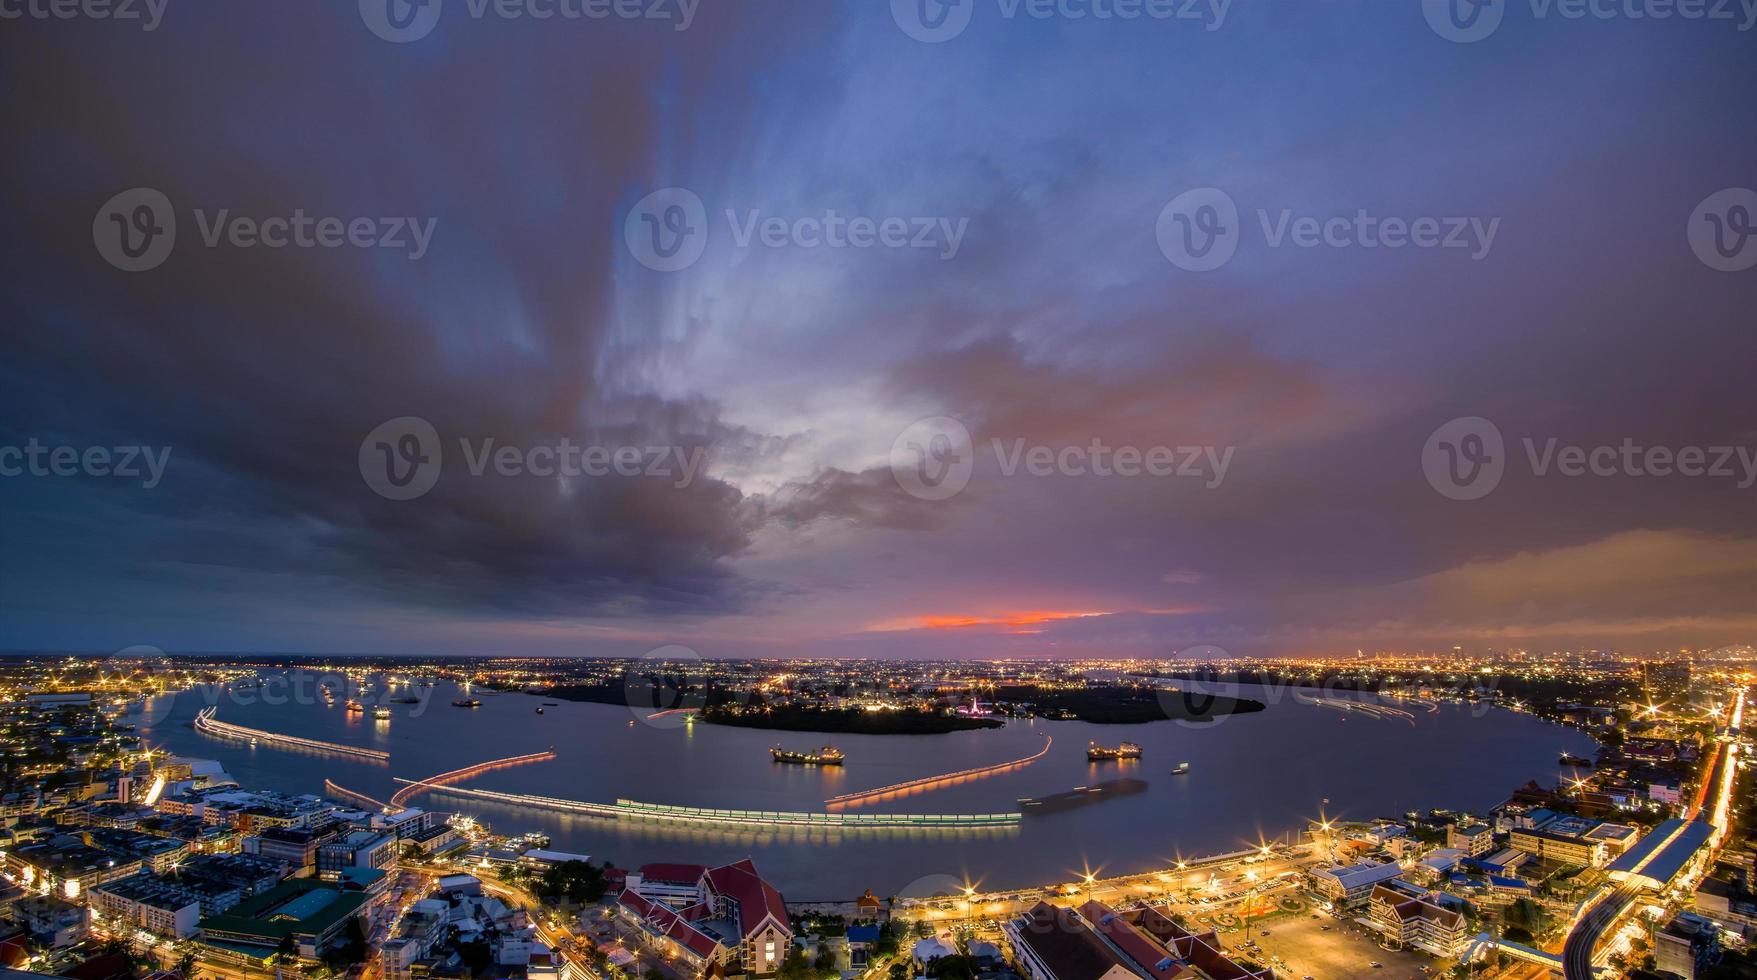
{"x": 265, "y": 369}
{"x": 792, "y": 370}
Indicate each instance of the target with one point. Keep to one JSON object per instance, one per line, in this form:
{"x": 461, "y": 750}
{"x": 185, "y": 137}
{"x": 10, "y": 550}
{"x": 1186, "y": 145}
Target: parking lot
{"x": 1342, "y": 952}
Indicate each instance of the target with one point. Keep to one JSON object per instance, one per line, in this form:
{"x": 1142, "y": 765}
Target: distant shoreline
{"x": 848, "y": 721}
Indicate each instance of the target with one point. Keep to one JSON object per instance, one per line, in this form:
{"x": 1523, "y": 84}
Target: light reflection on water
{"x": 1258, "y": 774}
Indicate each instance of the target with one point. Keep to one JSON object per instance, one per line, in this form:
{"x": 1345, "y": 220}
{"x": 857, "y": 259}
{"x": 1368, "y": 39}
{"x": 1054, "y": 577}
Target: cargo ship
{"x": 1080, "y": 796}
{"x": 829, "y": 755}
{"x": 1574, "y": 760}
{"x": 1100, "y": 753}
{"x": 466, "y": 703}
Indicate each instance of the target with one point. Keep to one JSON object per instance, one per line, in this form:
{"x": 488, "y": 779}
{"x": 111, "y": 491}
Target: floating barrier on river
{"x": 207, "y": 724}
{"x": 468, "y": 772}
{"x": 929, "y": 782}
{"x": 347, "y": 795}
{"x": 634, "y": 809}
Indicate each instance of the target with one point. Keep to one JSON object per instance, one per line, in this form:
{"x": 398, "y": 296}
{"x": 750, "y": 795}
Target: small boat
{"x": 354, "y": 706}
{"x": 381, "y": 712}
{"x": 466, "y": 703}
{"x": 539, "y": 709}
{"x": 1576, "y": 761}
{"x": 829, "y": 755}
{"x": 1101, "y": 753}
{"x": 1182, "y": 768}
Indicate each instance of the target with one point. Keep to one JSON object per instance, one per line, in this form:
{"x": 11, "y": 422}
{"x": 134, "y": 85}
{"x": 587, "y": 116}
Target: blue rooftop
{"x": 1662, "y": 855}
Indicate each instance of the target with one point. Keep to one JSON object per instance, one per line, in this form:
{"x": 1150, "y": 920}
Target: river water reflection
{"x": 1251, "y": 776}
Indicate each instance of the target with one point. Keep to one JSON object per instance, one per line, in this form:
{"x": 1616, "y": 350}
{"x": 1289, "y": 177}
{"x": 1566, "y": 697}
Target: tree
{"x": 952, "y": 968}
{"x": 575, "y": 881}
{"x": 1524, "y": 920}
{"x": 287, "y": 949}
{"x": 798, "y": 966}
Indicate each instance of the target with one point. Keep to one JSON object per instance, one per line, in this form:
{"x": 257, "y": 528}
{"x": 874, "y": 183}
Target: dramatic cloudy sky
{"x": 1053, "y": 143}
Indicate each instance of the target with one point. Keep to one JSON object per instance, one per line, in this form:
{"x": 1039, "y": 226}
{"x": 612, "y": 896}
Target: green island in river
{"x": 1110, "y": 705}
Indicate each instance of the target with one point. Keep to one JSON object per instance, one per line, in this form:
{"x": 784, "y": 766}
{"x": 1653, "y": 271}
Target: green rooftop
{"x": 302, "y": 905}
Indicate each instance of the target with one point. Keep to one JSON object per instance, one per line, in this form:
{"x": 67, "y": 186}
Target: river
{"x": 1251, "y": 777}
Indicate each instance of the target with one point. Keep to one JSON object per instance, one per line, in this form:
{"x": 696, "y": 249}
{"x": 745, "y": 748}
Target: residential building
{"x": 357, "y": 849}
{"x": 312, "y": 913}
{"x": 1156, "y": 947}
{"x": 1053, "y": 943}
{"x": 733, "y": 921}
{"x": 1350, "y": 886}
{"x": 147, "y": 902}
{"x": 1416, "y": 917}
{"x": 1473, "y": 839}
{"x": 1685, "y": 945}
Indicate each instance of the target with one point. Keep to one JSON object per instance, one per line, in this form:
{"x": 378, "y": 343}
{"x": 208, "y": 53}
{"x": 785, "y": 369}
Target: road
{"x": 568, "y": 945}
{"x": 1577, "y": 951}
{"x": 1204, "y": 887}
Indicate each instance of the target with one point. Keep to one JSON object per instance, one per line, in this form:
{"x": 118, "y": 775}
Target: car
{"x": 1324, "y": 928}
{"x": 1265, "y": 932}
{"x": 1376, "y": 965}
